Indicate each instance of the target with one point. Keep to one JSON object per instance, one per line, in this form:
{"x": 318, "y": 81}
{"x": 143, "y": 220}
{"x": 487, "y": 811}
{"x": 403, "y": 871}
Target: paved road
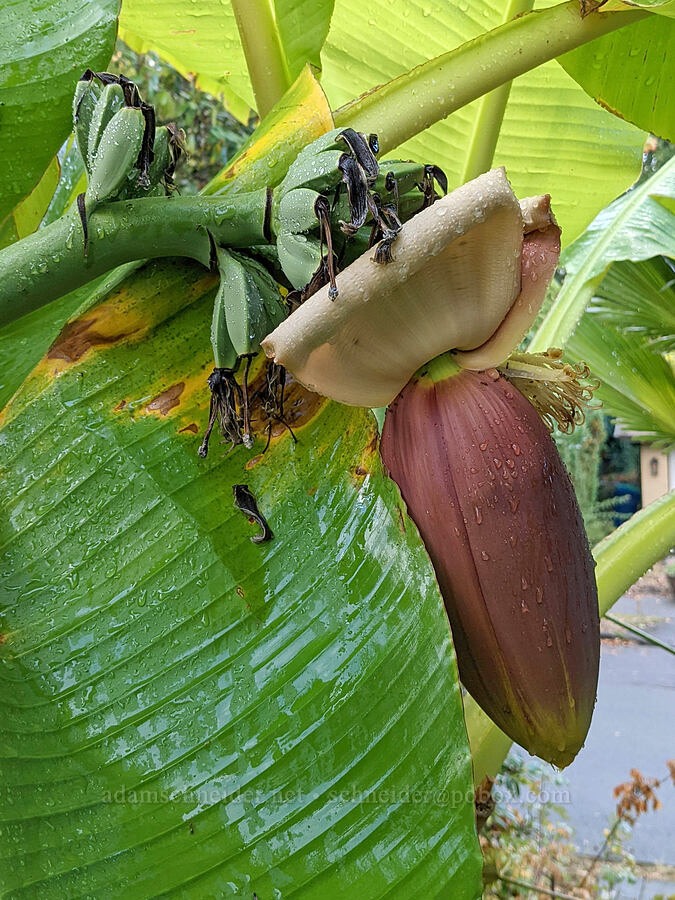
{"x": 655, "y": 613}
{"x": 633, "y": 727}
{"x": 647, "y": 890}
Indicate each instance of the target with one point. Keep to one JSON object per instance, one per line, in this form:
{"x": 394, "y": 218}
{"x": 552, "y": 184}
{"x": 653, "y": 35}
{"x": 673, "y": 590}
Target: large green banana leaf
{"x": 637, "y": 383}
{"x": 626, "y": 336}
{"x": 617, "y": 267}
{"x": 293, "y": 29}
{"x": 640, "y": 298}
{"x": 188, "y": 713}
{"x": 554, "y": 137}
{"x": 631, "y": 73}
{"x": 636, "y": 226}
{"x": 44, "y": 48}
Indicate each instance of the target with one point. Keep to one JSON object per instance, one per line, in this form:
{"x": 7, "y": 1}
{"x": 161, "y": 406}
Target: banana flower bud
{"x": 488, "y": 491}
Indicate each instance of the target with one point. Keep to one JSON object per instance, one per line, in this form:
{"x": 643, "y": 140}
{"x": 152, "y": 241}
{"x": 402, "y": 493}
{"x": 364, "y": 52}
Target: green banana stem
{"x": 52, "y": 262}
{"x": 622, "y": 557}
{"x": 490, "y": 114}
{"x": 409, "y": 104}
{"x": 264, "y": 53}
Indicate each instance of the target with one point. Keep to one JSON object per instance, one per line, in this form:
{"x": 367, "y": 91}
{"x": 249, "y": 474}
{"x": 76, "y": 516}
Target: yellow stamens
{"x": 559, "y": 391}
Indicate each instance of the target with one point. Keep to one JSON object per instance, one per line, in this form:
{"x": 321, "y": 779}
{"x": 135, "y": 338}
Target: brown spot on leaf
{"x": 163, "y": 403}
{"x": 364, "y": 465}
{"x": 193, "y": 428}
{"x": 401, "y": 519}
{"x": 254, "y": 461}
{"x": 239, "y": 590}
{"x": 78, "y": 337}
{"x": 586, "y": 7}
{"x": 300, "y": 406}
{"x": 605, "y": 105}
{"x": 3, "y": 637}
{"x": 120, "y": 406}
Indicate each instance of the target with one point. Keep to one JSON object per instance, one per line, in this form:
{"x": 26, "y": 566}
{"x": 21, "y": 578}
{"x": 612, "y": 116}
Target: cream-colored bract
{"x": 539, "y": 259}
{"x": 455, "y": 275}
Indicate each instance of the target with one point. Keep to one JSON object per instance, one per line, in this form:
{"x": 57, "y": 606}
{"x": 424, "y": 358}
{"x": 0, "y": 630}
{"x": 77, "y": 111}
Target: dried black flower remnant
{"x": 223, "y": 408}
{"x": 246, "y": 502}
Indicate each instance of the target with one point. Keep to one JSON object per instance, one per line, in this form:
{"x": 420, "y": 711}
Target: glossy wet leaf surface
{"x": 44, "y": 48}
{"x": 630, "y": 72}
{"x": 188, "y": 713}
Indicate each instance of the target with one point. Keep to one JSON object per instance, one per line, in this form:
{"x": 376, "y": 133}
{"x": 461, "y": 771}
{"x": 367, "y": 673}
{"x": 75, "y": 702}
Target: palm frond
{"x": 637, "y": 383}
{"x": 638, "y": 225}
{"x": 639, "y": 297}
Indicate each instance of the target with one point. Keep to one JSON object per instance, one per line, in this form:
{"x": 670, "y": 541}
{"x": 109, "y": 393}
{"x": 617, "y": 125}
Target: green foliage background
{"x": 212, "y": 134}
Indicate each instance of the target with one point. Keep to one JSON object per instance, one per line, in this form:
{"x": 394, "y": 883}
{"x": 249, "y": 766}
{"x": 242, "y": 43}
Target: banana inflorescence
{"x": 337, "y": 183}
{"x": 334, "y": 203}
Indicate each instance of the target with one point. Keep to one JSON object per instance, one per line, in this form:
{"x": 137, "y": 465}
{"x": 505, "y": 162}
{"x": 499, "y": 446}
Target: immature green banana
{"x": 247, "y": 306}
{"x": 295, "y": 211}
{"x": 237, "y": 301}
{"x": 224, "y": 354}
{"x": 317, "y": 166}
{"x": 299, "y": 257}
{"x": 326, "y": 189}
{"x": 301, "y": 169}
{"x": 398, "y": 176}
{"x": 274, "y": 309}
{"x": 409, "y": 204}
{"x": 110, "y": 102}
{"x": 250, "y": 302}
{"x": 163, "y": 157}
{"x": 116, "y": 155}
{"x": 160, "y": 170}
{"x": 320, "y": 172}
{"x": 85, "y": 101}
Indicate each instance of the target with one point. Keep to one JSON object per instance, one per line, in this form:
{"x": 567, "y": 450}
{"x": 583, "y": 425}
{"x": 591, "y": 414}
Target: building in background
{"x": 657, "y": 466}
{"x": 657, "y": 472}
